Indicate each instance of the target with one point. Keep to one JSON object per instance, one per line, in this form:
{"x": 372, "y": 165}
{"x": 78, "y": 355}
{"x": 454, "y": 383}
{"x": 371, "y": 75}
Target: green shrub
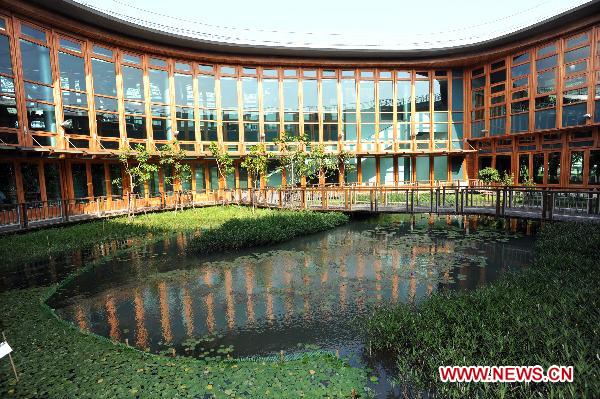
{"x": 489, "y": 175}
{"x": 264, "y": 229}
{"x": 546, "y": 314}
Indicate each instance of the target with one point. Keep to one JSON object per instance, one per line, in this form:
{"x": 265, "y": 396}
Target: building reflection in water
{"x": 311, "y": 289}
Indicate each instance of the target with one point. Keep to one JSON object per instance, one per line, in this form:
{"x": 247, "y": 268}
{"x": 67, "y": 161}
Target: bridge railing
{"x": 534, "y": 202}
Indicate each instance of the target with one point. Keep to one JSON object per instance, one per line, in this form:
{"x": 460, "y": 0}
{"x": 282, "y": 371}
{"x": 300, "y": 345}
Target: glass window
{"x": 271, "y": 95}
{"x": 72, "y": 72}
{"x": 403, "y": 100}
{"x": 52, "y": 180}
{"x": 546, "y": 63}
{"x": 457, "y": 91}
{"x": 440, "y": 168}
{"x": 577, "y": 54}
{"x": 545, "y": 119}
{"x": 440, "y": 95}
{"x": 229, "y": 93}
{"x": 159, "y": 86}
{"x": 206, "y": 89}
{"x": 329, "y": 93}
{"x": 41, "y": 117}
{"x": 422, "y": 168}
{"x": 5, "y": 57}
{"x": 132, "y": 59}
{"x": 8, "y": 188}
{"x": 33, "y": 32}
{"x": 36, "y": 62}
{"x": 422, "y": 96}
{"x": 104, "y": 77}
{"x": 310, "y": 96}
{"x": 31, "y": 182}
{"x": 520, "y": 70}
{"x": 386, "y": 170}
{"x": 133, "y": 86}
{"x": 538, "y": 168}
{"x": 523, "y": 168}
{"x": 102, "y": 51}
{"x": 250, "y": 93}
{"x": 199, "y": 177}
{"x": 457, "y": 168}
{"x": 79, "y": 173}
{"x": 290, "y": 94}
{"x": 98, "y": 180}
{"x": 348, "y": 95}
{"x": 554, "y": 168}
{"x": 576, "y": 175}
{"x": 594, "y": 175}
{"x": 546, "y": 82}
{"x": 115, "y": 173}
{"x": 184, "y": 90}
{"x": 368, "y": 170}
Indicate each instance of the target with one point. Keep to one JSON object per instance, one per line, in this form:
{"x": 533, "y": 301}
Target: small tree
{"x": 489, "y": 175}
{"x": 224, "y": 161}
{"x": 255, "y": 164}
{"x": 138, "y": 169}
{"x": 172, "y": 157}
{"x": 293, "y": 158}
{"x": 321, "y": 162}
{"x": 507, "y": 179}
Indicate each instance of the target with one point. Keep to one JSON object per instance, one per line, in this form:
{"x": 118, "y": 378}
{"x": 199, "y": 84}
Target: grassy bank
{"x": 56, "y": 361}
{"x": 17, "y": 249}
{"x": 545, "y": 315}
{"x": 264, "y": 229}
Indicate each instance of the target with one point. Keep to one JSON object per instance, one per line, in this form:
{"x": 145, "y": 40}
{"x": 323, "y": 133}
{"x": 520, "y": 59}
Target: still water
{"x": 306, "y": 294}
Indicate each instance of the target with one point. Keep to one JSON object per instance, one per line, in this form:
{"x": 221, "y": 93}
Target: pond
{"x": 304, "y": 295}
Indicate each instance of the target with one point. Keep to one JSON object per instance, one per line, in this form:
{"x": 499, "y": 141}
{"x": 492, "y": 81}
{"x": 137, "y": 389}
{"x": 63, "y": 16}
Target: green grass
{"x": 267, "y": 227}
{"x": 17, "y": 249}
{"x": 54, "y": 360}
{"x": 544, "y": 315}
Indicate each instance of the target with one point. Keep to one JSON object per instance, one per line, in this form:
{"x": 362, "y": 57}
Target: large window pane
{"x": 206, "y": 89}
{"x": 36, "y": 62}
{"x": 159, "y": 86}
{"x": 80, "y": 187}
{"x": 98, "y": 180}
{"x": 440, "y": 168}
{"x": 576, "y": 175}
{"x": 250, "y": 93}
{"x": 5, "y": 57}
{"x": 422, "y": 168}
{"x": 72, "y": 72}
{"x": 554, "y": 168}
{"x": 538, "y": 168}
{"x": 368, "y": 171}
{"x": 31, "y": 182}
{"x": 594, "y": 176}
{"x": 52, "y": 180}
{"x": 184, "y": 90}
{"x": 104, "y": 77}
{"x": 229, "y": 93}
{"x": 133, "y": 86}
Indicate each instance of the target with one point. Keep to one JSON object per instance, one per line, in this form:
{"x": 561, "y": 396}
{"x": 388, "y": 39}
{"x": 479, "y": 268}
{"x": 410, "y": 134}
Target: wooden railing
{"x": 530, "y": 202}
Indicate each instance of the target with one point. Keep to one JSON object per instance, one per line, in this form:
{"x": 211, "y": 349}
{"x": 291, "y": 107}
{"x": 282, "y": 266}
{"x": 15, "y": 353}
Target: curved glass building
{"x": 79, "y": 84}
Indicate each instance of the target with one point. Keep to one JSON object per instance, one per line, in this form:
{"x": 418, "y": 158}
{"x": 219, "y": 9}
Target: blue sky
{"x": 370, "y": 21}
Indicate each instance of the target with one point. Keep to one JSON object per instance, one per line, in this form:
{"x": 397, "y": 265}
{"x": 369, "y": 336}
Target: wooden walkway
{"x": 511, "y": 202}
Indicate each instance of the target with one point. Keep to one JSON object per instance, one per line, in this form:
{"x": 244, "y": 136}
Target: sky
{"x": 372, "y": 22}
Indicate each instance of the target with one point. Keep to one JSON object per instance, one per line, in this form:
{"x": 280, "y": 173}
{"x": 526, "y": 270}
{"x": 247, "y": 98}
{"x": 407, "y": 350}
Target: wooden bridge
{"x": 520, "y": 202}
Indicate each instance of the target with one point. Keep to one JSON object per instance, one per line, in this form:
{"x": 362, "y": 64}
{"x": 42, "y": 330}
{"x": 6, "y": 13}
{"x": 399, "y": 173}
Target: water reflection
{"x": 308, "y": 291}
